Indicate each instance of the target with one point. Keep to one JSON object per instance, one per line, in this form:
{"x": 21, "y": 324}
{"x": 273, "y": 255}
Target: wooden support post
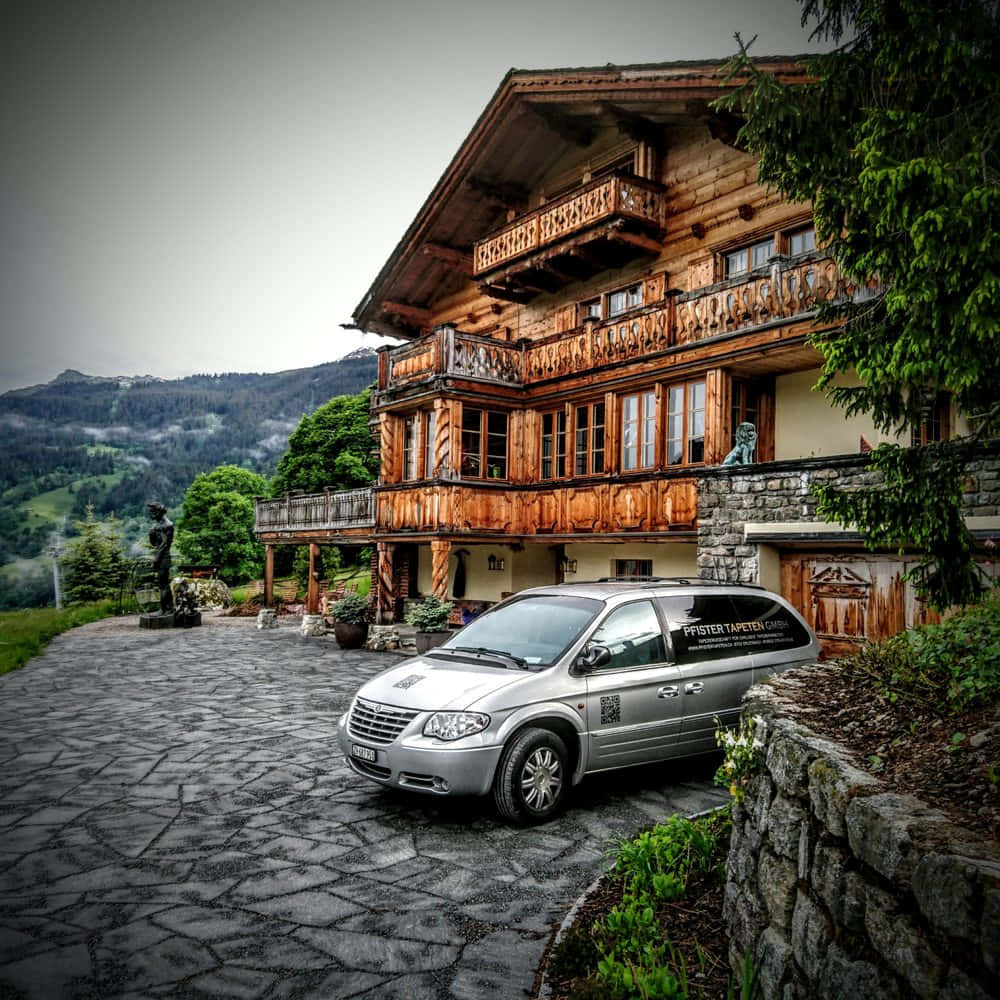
{"x": 440, "y": 552}
{"x": 268, "y": 576}
{"x": 312, "y": 592}
{"x": 386, "y": 596}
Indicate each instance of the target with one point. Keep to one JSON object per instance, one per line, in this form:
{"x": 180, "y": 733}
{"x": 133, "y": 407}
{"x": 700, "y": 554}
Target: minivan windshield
{"x": 536, "y": 629}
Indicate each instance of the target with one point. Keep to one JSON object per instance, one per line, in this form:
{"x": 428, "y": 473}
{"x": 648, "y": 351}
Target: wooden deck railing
{"x": 789, "y": 290}
{"x": 328, "y": 510}
{"x": 601, "y": 199}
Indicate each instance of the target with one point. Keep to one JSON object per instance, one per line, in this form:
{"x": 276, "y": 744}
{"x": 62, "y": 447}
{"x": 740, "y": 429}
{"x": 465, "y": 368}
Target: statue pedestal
{"x": 157, "y": 620}
{"x": 312, "y": 625}
{"x": 182, "y": 620}
{"x": 267, "y": 618}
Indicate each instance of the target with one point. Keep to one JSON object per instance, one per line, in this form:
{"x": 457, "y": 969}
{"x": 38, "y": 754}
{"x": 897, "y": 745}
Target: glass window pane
{"x": 635, "y": 296}
{"x": 617, "y": 303}
{"x": 472, "y": 442}
{"x": 762, "y": 252}
{"x": 632, "y": 634}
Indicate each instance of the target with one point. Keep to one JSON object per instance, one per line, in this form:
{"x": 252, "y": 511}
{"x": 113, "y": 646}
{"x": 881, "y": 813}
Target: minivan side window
{"x": 776, "y": 627}
{"x": 632, "y": 634}
{"x": 714, "y": 626}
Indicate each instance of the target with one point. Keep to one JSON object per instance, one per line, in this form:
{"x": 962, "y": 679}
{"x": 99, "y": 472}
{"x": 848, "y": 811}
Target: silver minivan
{"x": 559, "y": 682}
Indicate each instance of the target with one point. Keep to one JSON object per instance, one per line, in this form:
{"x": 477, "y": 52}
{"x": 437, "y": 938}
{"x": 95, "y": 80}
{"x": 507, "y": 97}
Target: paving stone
{"x": 179, "y": 801}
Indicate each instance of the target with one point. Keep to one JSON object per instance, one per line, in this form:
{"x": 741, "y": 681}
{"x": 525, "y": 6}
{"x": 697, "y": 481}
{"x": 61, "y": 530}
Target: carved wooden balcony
{"x": 325, "y": 514}
{"x": 602, "y": 224}
{"x": 788, "y": 291}
{"x": 652, "y": 505}
{"x": 448, "y": 352}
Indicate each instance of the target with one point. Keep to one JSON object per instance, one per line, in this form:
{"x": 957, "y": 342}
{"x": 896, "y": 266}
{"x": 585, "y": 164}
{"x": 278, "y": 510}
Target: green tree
{"x": 95, "y": 562}
{"x": 331, "y": 447}
{"x": 216, "y": 522}
{"x": 892, "y": 136}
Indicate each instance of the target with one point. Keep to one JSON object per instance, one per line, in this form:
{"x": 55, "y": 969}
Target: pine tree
{"x": 95, "y": 563}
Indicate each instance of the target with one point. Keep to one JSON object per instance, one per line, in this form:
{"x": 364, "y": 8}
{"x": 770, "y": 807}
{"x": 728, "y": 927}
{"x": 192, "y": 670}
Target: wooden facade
{"x": 596, "y": 293}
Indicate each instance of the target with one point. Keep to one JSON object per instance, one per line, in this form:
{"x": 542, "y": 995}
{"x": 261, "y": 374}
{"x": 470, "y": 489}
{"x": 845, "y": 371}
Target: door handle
{"x": 696, "y": 687}
{"x": 668, "y": 691}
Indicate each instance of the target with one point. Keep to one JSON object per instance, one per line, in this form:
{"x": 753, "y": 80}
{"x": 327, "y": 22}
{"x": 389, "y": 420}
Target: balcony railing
{"x": 327, "y": 511}
{"x": 789, "y": 290}
{"x": 601, "y": 200}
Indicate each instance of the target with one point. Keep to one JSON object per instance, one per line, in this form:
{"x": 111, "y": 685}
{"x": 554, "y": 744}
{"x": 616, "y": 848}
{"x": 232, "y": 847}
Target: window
{"x": 632, "y": 634}
{"x": 801, "y": 240}
{"x": 411, "y": 452}
{"x": 553, "y": 445}
{"x": 934, "y": 422}
{"x": 613, "y": 304}
{"x": 686, "y": 423}
{"x": 484, "y": 444}
{"x": 633, "y": 567}
{"x": 624, "y": 299}
{"x": 589, "y": 450}
{"x": 638, "y": 431}
{"x": 713, "y": 627}
{"x": 746, "y": 407}
{"x": 747, "y": 258}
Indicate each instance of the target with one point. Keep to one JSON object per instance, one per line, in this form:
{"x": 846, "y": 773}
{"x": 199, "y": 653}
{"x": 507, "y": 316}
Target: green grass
{"x": 53, "y": 505}
{"x": 24, "y": 634}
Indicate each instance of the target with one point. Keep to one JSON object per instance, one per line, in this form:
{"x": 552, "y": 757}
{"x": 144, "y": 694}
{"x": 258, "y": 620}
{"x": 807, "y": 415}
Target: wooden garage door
{"x": 852, "y": 597}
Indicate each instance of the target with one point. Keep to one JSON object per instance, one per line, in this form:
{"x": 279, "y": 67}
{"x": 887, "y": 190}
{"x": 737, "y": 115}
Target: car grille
{"x": 377, "y": 723}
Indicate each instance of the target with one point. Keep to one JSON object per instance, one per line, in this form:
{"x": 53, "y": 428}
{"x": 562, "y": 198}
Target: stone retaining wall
{"x": 731, "y": 496}
{"x": 840, "y": 888}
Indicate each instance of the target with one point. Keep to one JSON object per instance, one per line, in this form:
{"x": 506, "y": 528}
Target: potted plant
{"x": 430, "y": 618}
{"x": 350, "y": 621}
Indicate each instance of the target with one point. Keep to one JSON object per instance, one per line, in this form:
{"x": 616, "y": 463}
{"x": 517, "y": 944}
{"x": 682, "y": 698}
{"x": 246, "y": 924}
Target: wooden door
{"x": 851, "y": 597}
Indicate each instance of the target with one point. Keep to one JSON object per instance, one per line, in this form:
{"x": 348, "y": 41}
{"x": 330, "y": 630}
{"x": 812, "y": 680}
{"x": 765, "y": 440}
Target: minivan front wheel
{"x": 532, "y": 778}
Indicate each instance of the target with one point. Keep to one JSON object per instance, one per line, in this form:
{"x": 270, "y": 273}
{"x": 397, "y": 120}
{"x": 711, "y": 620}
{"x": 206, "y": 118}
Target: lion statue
{"x": 746, "y": 442}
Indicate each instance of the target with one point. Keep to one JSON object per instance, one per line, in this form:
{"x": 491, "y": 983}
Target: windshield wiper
{"x": 483, "y": 651}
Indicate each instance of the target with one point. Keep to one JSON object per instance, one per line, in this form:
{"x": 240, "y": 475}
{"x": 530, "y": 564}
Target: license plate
{"x": 363, "y": 753}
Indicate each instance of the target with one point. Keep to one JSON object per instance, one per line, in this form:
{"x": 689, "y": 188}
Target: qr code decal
{"x": 611, "y": 709}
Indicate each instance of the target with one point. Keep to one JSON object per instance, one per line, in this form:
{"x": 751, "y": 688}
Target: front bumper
{"x": 418, "y": 763}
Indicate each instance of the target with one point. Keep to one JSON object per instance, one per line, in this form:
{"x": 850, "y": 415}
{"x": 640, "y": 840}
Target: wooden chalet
{"x": 594, "y": 296}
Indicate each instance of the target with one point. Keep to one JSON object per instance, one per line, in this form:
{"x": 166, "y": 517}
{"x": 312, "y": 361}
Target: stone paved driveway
{"x": 175, "y": 821}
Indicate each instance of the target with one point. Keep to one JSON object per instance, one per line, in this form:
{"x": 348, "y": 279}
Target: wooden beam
{"x": 506, "y": 294}
{"x": 577, "y": 130}
{"x": 638, "y": 240}
{"x": 415, "y": 314}
{"x": 460, "y": 260}
{"x": 722, "y": 125}
{"x": 504, "y": 193}
{"x": 636, "y": 126}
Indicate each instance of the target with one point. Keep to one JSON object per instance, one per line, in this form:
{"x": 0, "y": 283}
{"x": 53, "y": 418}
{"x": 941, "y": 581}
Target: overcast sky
{"x": 212, "y": 185}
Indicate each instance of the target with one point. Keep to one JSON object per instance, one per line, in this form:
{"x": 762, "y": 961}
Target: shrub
{"x": 430, "y": 615}
{"x": 351, "y": 609}
{"x": 951, "y": 666}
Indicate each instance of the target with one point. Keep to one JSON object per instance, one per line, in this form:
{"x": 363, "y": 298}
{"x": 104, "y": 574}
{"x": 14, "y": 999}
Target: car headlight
{"x": 455, "y": 725}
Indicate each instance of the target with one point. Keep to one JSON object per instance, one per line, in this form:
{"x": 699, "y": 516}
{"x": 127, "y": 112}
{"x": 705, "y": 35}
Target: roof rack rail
{"x": 679, "y": 581}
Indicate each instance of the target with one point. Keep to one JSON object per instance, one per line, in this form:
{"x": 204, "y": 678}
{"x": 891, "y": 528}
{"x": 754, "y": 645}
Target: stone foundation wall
{"x": 731, "y": 496}
{"x": 840, "y": 888}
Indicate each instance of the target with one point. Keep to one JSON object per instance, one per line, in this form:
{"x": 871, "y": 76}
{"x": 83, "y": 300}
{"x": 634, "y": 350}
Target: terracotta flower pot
{"x": 350, "y": 635}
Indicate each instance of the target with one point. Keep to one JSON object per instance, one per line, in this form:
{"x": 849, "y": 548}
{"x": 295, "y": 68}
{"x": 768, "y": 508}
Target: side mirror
{"x": 592, "y": 658}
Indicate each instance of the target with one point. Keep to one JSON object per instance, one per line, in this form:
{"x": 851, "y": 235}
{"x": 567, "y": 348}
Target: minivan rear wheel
{"x": 532, "y": 778}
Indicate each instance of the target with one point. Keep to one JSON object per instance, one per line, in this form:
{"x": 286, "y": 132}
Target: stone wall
{"x": 731, "y": 496}
{"x": 840, "y": 888}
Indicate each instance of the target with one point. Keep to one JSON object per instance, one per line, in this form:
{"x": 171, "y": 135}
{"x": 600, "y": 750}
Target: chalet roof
{"x": 534, "y": 120}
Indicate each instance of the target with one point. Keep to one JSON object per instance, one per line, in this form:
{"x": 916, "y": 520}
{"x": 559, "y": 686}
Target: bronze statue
{"x": 161, "y": 537}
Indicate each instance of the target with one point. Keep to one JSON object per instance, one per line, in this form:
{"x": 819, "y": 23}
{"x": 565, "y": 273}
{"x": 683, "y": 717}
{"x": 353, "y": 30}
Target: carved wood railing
{"x": 597, "y": 201}
{"x": 650, "y": 505}
{"x": 316, "y": 511}
{"x": 789, "y": 290}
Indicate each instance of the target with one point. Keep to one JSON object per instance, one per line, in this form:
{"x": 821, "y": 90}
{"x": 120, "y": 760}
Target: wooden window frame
{"x": 634, "y": 293}
{"x": 557, "y": 456}
{"x": 617, "y": 568}
{"x": 411, "y": 447}
{"x": 936, "y": 425}
{"x": 484, "y": 454}
{"x": 644, "y": 443}
{"x": 589, "y": 451}
{"x": 779, "y": 238}
{"x": 687, "y": 412}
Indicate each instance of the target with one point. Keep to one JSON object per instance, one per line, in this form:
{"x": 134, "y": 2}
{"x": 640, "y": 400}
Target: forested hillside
{"x": 117, "y": 442}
